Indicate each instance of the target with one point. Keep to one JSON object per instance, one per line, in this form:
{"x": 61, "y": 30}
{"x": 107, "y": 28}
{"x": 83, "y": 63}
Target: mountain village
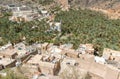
{"x": 51, "y": 61}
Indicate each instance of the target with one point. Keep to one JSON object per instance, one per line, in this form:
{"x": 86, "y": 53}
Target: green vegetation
{"x": 78, "y": 26}
{"x": 45, "y": 2}
{"x": 13, "y": 75}
{"x": 34, "y": 31}
{"x": 90, "y": 27}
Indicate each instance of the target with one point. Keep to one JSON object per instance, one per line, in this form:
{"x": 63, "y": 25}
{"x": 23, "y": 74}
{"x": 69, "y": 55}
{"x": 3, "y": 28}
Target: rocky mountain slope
{"x": 104, "y": 4}
{"x": 109, "y": 7}
{"x": 97, "y": 3}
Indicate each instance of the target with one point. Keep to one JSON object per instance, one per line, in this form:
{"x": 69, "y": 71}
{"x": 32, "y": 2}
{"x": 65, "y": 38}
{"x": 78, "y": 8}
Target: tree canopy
{"x": 78, "y": 26}
{"x": 88, "y": 26}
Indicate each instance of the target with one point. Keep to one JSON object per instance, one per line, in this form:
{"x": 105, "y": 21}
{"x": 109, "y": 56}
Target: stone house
{"x": 110, "y": 54}
{"x": 86, "y": 48}
{"x": 7, "y": 46}
{"x": 8, "y": 53}
{"x": 70, "y": 53}
{"x": 23, "y": 13}
{"x": 46, "y": 65}
{"x": 6, "y": 63}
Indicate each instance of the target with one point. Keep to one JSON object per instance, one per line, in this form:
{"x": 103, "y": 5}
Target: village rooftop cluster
{"x": 46, "y": 60}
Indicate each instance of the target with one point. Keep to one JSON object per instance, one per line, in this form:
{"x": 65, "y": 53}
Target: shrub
{"x": 13, "y": 75}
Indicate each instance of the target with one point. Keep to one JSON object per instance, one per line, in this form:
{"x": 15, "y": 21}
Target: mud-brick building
{"x": 6, "y": 63}
{"x": 70, "y": 53}
{"x": 8, "y": 53}
{"x": 46, "y": 66}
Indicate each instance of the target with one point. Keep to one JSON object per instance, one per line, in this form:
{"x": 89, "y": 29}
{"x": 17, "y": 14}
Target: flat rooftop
{"x": 9, "y": 52}
{"x": 6, "y": 61}
{"x": 37, "y": 60}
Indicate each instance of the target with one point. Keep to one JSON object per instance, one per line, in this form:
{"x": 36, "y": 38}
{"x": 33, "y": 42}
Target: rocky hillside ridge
{"x": 109, "y": 7}
{"x": 104, "y": 4}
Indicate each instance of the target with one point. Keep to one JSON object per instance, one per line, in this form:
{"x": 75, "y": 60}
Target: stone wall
{"x": 99, "y": 71}
{"x": 111, "y": 73}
